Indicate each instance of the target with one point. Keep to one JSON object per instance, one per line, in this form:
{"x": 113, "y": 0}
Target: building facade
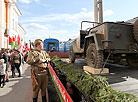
{"x": 9, "y": 23}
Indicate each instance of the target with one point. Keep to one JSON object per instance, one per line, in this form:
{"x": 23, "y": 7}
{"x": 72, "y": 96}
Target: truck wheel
{"x": 72, "y": 55}
{"x": 132, "y": 60}
{"x": 94, "y": 57}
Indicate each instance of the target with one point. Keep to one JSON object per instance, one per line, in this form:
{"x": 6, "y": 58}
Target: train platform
{"x": 19, "y": 89}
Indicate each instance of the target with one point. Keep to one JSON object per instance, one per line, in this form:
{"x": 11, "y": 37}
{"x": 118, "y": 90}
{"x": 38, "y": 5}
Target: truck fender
{"x": 74, "y": 46}
{"x": 97, "y": 39}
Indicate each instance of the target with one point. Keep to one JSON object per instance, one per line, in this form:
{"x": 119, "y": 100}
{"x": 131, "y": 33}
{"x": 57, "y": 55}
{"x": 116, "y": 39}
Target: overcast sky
{"x": 61, "y": 19}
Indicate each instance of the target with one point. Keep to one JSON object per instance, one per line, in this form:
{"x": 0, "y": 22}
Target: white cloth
{"x": 2, "y": 67}
{"x": 21, "y": 69}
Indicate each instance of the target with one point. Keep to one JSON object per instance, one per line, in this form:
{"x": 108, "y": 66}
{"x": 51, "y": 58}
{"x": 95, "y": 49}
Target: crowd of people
{"x": 9, "y": 61}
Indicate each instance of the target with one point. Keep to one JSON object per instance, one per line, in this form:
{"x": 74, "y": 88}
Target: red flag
{"x": 27, "y": 48}
{"x": 20, "y": 47}
{"x": 13, "y": 38}
{"x": 10, "y": 40}
{"x": 18, "y": 39}
{"x": 23, "y": 48}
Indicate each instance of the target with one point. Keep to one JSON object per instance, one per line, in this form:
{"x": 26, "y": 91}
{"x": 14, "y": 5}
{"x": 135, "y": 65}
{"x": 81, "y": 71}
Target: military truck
{"x": 107, "y": 41}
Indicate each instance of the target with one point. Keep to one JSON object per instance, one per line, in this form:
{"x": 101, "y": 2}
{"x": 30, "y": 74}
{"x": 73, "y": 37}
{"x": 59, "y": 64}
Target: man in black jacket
{"x": 5, "y": 57}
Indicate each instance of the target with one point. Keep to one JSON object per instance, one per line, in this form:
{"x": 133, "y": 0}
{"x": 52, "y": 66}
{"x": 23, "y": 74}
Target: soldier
{"x": 38, "y": 59}
{"x": 16, "y": 61}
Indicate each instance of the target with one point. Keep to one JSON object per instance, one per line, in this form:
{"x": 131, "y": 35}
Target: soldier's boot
{"x": 43, "y": 98}
{"x": 34, "y": 99}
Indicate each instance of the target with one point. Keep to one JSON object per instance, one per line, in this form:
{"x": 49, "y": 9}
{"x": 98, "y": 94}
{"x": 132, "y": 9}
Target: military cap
{"x": 37, "y": 41}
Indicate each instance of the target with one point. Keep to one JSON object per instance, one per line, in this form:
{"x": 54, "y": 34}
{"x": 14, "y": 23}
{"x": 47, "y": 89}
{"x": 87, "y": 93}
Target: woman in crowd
{"x": 5, "y": 57}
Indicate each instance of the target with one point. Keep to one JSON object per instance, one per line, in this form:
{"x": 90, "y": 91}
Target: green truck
{"x": 108, "y": 40}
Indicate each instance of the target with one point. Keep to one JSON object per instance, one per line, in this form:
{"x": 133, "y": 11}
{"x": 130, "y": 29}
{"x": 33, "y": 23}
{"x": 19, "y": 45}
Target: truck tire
{"x": 135, "y": 30}
{"x": 94, "y": 57}
{"x": 132, "y": 60}
{"x": 72, "y": 55}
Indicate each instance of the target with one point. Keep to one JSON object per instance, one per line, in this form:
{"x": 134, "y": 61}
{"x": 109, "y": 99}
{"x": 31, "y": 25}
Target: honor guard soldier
{"x": 38, "y": 59}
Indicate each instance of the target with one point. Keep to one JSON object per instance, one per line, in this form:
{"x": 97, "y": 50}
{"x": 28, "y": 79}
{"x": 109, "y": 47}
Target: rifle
{"x": 33, "y": 76}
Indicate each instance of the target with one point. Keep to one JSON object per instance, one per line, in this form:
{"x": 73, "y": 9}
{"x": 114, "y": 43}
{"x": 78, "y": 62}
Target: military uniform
{"x": 40, "y": 71}
{"x": 16, "y": 62}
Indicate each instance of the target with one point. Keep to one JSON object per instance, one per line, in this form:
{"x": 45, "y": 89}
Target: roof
{"x": 21, "y": 27}
{"x": 18, "y": 11}
{"x": 13, "y": 2}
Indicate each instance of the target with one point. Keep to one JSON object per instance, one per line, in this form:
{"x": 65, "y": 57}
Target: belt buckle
{"x": 41, "y": 68}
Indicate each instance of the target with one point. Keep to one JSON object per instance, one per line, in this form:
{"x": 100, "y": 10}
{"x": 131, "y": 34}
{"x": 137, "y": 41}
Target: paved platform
{"x": 19, "y": 89}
